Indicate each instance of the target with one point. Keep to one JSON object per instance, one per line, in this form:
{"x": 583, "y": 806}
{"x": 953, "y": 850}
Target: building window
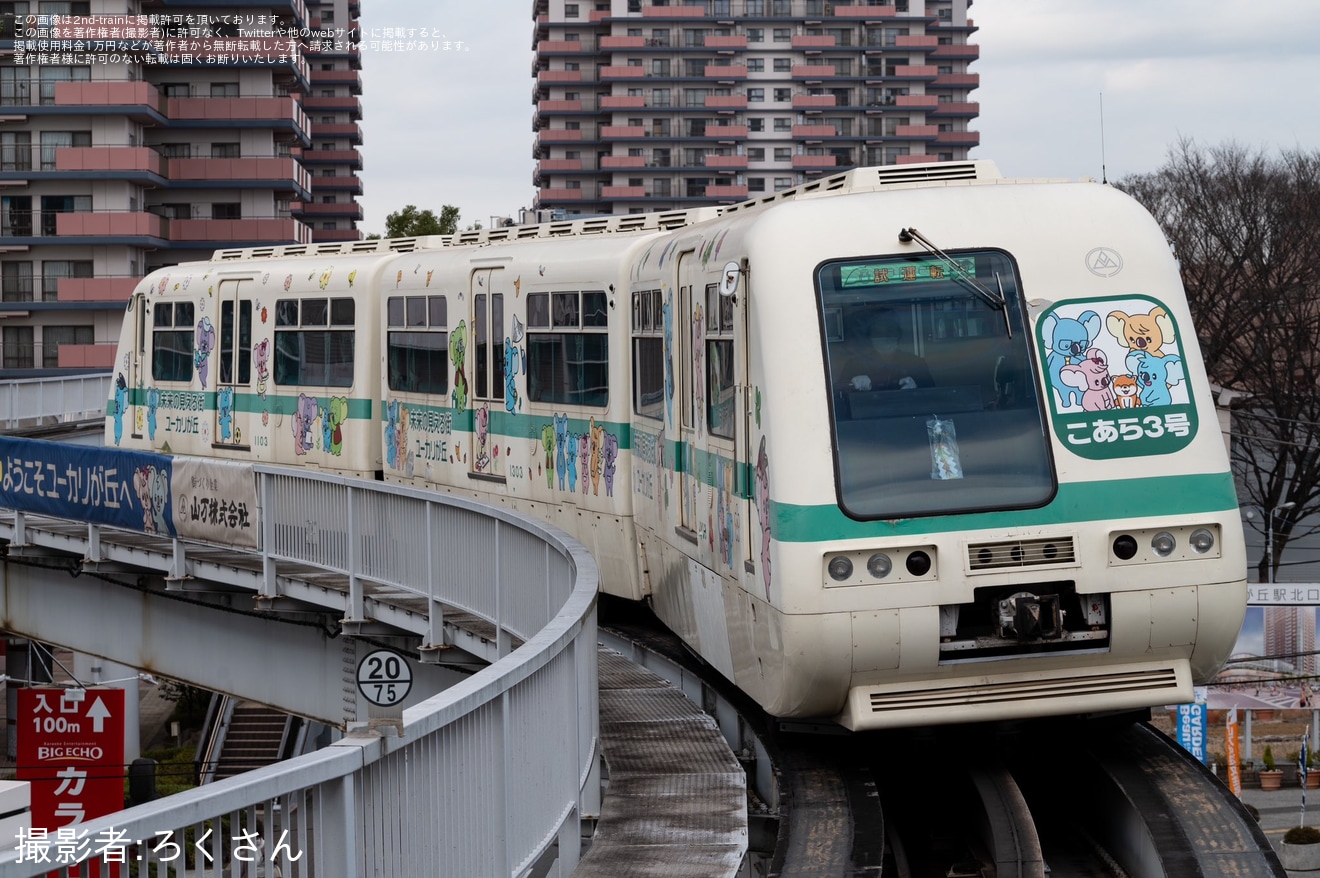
{"x": 314, "y": 342}
{"x": 756, "y": 35}
{"x": 782, "y": 124}
{"x": 570, "y": 10}
{"x": 782, "y": 183}
{"x": 756, "y": 184}
{"x": 783, "y": 153}
{"x": 54, "y": 336}
{"x": 18, "y": 347}
{"x": 224, "y": 151}
{"x": 172, "y": 341}
{"x": 783, "y": 95}
{"x": 756, "y": 154}
{"x": 755, "y": 95}
{"x": 226, "y": 210}
{"x": 568, "y": 348}
{"x": 755, "y": 124}
{"x": 15, "y": 151}
{"x": 417, "y": 346}
{"x": 229, "y": 90}
{"x": 783, "y": 65}
{"x": 54, "y": 269}
{"x": 16, "y": 281}
{"x": 783, "y": 34}
{"x": 56, "y": 140}
{"x": 755, "y": 65}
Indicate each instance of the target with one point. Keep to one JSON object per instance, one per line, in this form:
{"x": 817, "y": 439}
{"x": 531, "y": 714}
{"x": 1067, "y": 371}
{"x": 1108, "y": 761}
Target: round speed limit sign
{"x": 384, "y": 677}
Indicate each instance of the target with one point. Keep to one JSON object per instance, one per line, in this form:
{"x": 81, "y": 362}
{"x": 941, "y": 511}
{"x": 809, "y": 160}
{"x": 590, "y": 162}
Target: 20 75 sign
{"x": 384, "y": 677}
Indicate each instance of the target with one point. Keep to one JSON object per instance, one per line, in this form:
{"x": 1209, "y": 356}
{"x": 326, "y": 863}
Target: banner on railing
{"x": 193, "y": 498}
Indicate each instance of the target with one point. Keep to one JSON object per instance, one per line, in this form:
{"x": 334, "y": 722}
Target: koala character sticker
{"x": 1117, "y": 382}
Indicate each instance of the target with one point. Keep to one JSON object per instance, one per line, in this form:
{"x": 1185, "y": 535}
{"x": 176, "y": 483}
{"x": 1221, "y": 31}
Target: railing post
{"x": 20, "y": 529}
{"x": 269, "y": 586}
{"x": 502, "y": 639}
{"x": 178, "y": 565}
{"x": 337, "y": 834}
{"x": 435, "y": 614}
{"x": 93, "y": 543}
{"x": 355, "y": 611}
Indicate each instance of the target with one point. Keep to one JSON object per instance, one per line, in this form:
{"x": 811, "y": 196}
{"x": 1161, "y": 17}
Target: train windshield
{"x": 934, "y": 396}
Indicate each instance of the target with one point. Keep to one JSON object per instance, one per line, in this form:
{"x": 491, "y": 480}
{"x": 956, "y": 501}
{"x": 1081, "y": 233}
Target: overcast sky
{"x": 454, "y": 127}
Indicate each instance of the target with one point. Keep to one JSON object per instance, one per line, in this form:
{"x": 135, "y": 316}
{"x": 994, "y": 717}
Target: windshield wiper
{"x": 991, "y": 297}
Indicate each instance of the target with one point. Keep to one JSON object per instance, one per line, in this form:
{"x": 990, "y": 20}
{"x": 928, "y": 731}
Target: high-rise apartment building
{"x": 646, "y": 105}
{"x": 1290, "y": 633}
{"x": 129, "y": 143}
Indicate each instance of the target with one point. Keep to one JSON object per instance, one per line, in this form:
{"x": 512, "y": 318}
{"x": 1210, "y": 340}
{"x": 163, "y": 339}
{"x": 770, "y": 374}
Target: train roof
{"x": 856, "y": 180}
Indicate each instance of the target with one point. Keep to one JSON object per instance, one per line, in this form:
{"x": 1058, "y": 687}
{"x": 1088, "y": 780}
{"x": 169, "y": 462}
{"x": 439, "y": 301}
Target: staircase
{"x": 255, "y": 737}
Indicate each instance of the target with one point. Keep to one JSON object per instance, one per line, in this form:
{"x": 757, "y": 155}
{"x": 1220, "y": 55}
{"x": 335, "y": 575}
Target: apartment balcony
{"x": 869, "y": 13}
{"x": 343, "y": 130}
{"x": 559, "y": 135}
{"x": 622, "y": 102}
{"x": 960, "y": 52}
{"x": 137, "y": 100}
{"x": 623, "y": 192}
{"x": 559, "y": 47}
{"x": 813, "y": 162}
{"x": 622, "y": 132}
{"x": 108, "y": 158}
{"x": 313, "y": 210}
{"x": 726, "y": 42}
{"x": 913, "y": 159}
{"x": 726, "y": 162}
{"x": 812, "y": 71}
{"x": 958, "y": 138}
{"x": 813, "y": 132}
{"x": 726, "y": 73}
{"x": 957, "y": 80}
{"x": 95, "y": 289}
{"x": 548, "y": 195}
{"x": 87, "y": 356}
{"x": 916, "y": 71}
{"x": 731, "y": 193}
{"x": 624, "y": 72}
{"x": 350, "y": 157}
{"x": 328, "y": 236}
{"x": 921, "y": 132}
{"x": 726, "y": 102}
{"x": 548, "y": 106}
{"x": 813, "y": 42}
{"x": 256, "y": 231}
{"x": 109, "y": 224}
{"x": 338, "y": 184}
{"x": 560, "y": 166}
{"x": 813, "y": 102}
{"x": 250, "y": 111}
{"x": 916, "y": 42}
{"x": 275, "y": 172}
{"x": 956, "y": 108}
{"x": 350, "y": 78}
{"x": 917, "y": 102}
{"x": 674, "y": 11}
{"x": 610, "y": 162}
{"x": 548, "y": 77}
{"x": 622, "y": 43}
{"x": 727, "y": 133}
{"x": 350, "y": 105}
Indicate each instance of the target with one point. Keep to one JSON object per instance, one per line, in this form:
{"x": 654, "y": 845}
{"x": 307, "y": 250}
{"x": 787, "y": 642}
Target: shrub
{"x": 1268, "y": 758}
{"x": 1302, "y": 835}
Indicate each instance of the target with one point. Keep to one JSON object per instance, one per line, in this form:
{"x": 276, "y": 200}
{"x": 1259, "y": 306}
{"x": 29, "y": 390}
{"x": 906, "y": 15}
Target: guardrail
{"x": 480, "y": 781}
{"x": 39, "y": 402}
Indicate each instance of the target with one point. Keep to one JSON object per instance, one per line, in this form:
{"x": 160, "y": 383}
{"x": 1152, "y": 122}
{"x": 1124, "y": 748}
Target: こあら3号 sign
{"x": 1118, "y": 383}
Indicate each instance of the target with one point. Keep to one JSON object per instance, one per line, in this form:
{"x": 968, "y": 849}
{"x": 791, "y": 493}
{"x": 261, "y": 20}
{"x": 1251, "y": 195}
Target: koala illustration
{"x": 1142, "y": 332}
{"x": 1155, "y": 375}
{"x": 1068, "y": 339}
{"x": 1091, "y": 376}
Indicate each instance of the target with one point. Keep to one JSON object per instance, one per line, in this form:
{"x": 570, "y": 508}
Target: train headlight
{"x": 1201, "y": 541}
{"x": 1163, "y": 544}
{"x": 840, "y": 568}
{"x": 918, "y": 563}
{"x": 1125, "y": 547}
{"x": 879, "y": 565}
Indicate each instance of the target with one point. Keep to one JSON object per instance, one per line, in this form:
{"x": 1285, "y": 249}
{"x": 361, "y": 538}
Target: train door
{"x": 685, "y": 410}
{"x": 233, "y": 381}
{"x": 487, "y": 362}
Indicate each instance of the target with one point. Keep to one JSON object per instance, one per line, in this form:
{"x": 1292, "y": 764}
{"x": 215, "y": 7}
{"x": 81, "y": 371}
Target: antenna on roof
{"x": 1103, "y": 177}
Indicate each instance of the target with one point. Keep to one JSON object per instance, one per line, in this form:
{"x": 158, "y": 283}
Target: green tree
{"x": 411, "y": 222}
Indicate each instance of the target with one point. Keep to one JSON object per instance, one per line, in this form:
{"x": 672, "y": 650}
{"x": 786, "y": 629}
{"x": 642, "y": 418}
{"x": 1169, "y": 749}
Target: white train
{"x": 1037, "y": 519}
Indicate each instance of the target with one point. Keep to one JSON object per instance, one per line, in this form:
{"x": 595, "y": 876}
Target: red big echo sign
{"x": 71, "y": 750}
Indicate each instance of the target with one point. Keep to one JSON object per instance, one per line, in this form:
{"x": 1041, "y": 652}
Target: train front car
{"x": 994, "y": 480}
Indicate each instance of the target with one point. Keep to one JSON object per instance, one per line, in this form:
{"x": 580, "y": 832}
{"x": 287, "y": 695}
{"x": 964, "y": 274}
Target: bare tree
{"x": 1245, "y": 227}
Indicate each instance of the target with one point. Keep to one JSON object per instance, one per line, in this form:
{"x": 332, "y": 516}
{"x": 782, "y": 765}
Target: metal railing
{"x": 34, "y": 402}
{"x": 488, "y": 778}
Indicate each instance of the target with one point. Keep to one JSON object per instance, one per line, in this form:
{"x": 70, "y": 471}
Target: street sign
{"x": 384, "y": 677}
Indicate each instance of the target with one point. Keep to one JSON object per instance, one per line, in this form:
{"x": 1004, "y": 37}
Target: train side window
{"x": 314, "y": 342}
{"x": 417, "y": 345}
{"x": 568, "y": 348}
{"x": 719, "y": 363}
{"x": 648, "y": 355}
{"x": 172, "y": 341}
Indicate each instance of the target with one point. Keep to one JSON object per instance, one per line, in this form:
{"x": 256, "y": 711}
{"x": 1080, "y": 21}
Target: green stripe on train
{"x": 1081, "y": 501}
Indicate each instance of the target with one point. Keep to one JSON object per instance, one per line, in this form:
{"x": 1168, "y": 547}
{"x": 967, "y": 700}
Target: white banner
{"x": 215, "y": 501}
{"x": 1282, "y": 594}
